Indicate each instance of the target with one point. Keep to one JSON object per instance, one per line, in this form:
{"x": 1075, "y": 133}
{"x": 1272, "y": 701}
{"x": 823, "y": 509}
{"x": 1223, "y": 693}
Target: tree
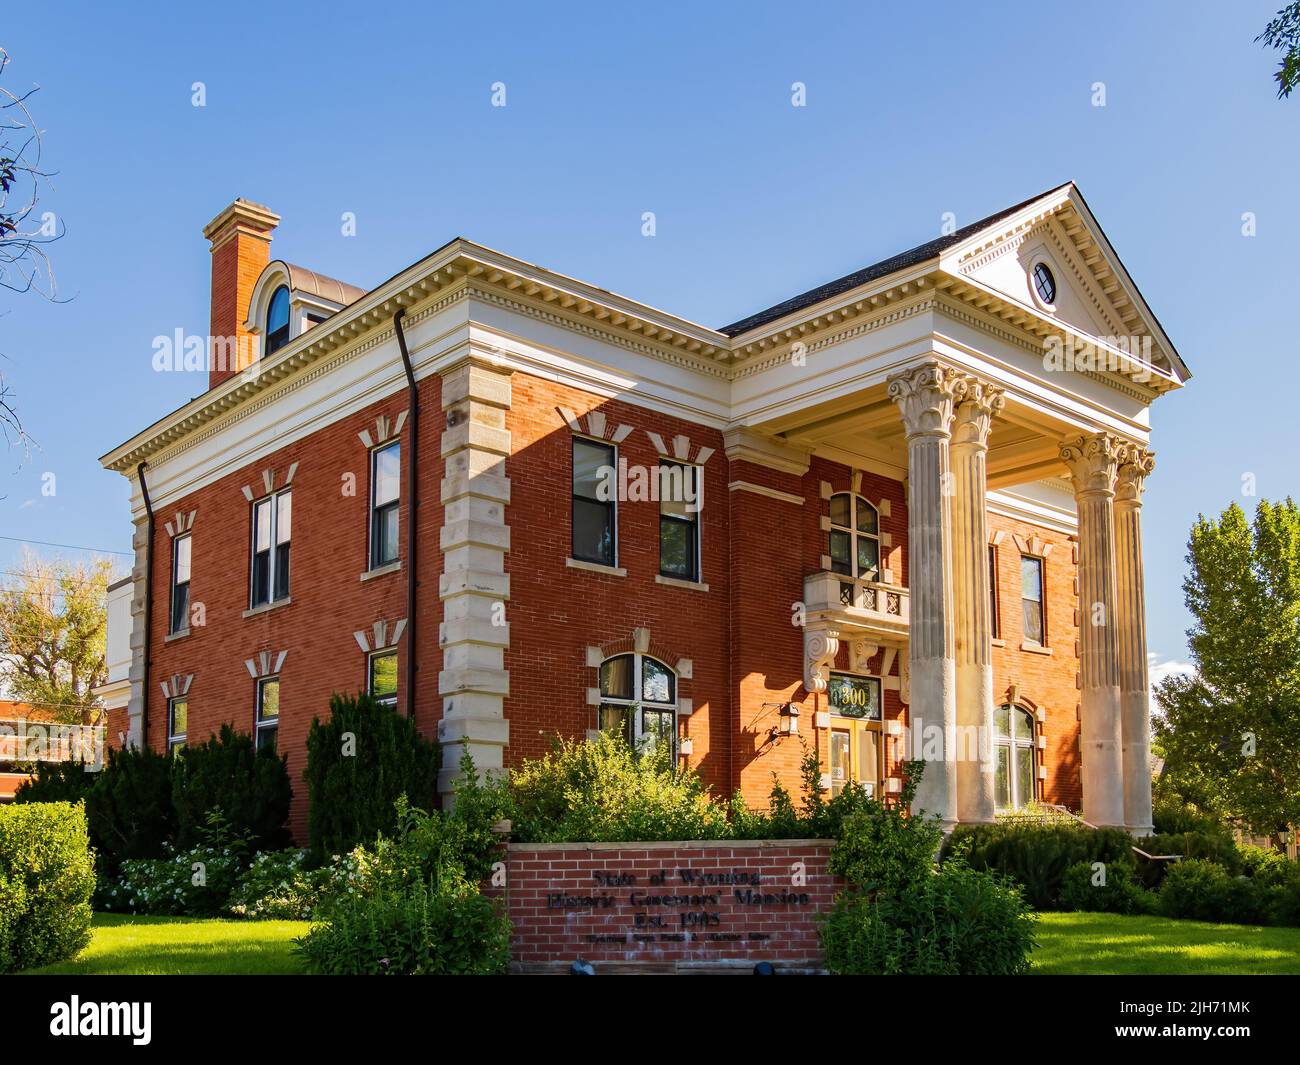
{"x": 24, "y": 265}
{"x": 1231, "y": 730}
{"x": 52, "y": 632}
{"x": 1283, "y": 34}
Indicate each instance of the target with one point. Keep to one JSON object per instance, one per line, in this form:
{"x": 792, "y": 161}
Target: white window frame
{"x": 1042, "y": 600}
{"x": 854, "y": 535}
{"x": 272, "y": 552}
{"x": 372, "y": 510}
{"x": 176, "y": 740}
{"x": 697, "y": 473}
{"x": 612, "y": 501}
{"x": 273, "y": 724}
{"x": 1013, "y": 744}
{"x": 172, "y": 627}
{"x": 637, "y": 705}
{"x": 385, "y": 652}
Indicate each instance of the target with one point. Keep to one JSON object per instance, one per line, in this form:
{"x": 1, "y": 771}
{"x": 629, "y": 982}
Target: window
{"x": 381, "y": 680}
{"x": 855, "y": 536}
{"x": 1013, "y": 781}
{"x": 1031, "y": 600}
{"x": 1044, "y": 283}
{"x": 272, "y": 528}
{"x": 268, "y": 711}
{"x": 639, "y": 701}
{"x": 178, "y": 720}
{"x": 594, "y": 530}
{"x": 385, "y": 497}
{"x": 679, "y": 521}
{"x": 277, "y": 320}
{"x": 995, "y": 618}
{"x": 180, "y": 619}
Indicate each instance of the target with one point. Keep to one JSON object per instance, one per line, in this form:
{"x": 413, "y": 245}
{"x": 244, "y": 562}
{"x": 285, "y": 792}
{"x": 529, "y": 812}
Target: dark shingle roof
{"x": 902, "y": 261}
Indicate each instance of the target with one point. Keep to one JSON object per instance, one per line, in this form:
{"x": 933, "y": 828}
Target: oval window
{"x": 1044, "y": 284}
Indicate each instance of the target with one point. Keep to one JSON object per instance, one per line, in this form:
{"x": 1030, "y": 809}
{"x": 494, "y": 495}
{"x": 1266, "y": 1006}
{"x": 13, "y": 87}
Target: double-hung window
{"x": 178, "y": 720}
{"x": 1013, "y": 782}
{"x": 679, "y": 520}
{"x": 267, "y": 721}
{"x": 385, "y": 500}
{"x": 639, "y": 701}
{"x": 995, "y": 619}
{"x": 180, "y": 605}
{"x": 272, "y": 529}
{"x": 1031, "y": 600}
{"x": 381, "y": 678}
{"x": 595, "y": 537}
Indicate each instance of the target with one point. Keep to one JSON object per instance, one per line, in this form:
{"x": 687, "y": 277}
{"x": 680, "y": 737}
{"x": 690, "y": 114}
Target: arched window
{"x": 638, "y": 700}
{"x": 277, "y": 320}
{"x": 1014, "y": 744}
{"x": 855, "y": 536}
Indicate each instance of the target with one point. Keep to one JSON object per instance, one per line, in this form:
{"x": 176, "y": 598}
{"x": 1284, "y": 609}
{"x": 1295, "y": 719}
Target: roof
{"x": 327, "y": 288}
{"x": 931, "y": 249}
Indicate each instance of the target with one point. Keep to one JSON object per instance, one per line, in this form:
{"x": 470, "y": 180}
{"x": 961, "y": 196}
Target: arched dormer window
{"x": 638, "y": 701}
{"x": 277, "y": 320}
{"x": 1013, "y": 785}
{"x": 854, "y": 537}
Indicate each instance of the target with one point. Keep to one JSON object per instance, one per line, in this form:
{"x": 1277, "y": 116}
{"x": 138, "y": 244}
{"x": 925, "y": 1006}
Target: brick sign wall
{"x": 668, "y": 906}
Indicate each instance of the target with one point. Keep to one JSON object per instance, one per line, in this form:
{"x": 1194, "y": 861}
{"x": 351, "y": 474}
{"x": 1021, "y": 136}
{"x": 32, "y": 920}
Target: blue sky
{"x": 684, "y": 110}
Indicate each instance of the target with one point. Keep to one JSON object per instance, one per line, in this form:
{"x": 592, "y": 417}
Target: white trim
{"x": 763, "y": 490}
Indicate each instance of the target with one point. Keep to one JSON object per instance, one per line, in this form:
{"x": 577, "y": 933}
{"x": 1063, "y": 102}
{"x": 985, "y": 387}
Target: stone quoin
{"x": 892, "y": 522}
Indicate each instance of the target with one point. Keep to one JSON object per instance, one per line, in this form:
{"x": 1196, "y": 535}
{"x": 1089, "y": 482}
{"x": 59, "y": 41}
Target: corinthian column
{"x": 1093, "y": 462}
{"x": 1130, "y": 623}
{"x": 926, "y": 396}
{"x": 972, "y": 617}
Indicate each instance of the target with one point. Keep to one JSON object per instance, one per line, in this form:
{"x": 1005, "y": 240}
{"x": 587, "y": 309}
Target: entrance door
{"x": 855, "y": 755}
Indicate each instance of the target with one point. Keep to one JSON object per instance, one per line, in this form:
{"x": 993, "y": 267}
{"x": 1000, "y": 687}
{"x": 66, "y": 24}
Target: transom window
{"x": 854, "y": 537}
{"x": 1044, "y": 283}
{"x": 272, "y": 528}
{"x": 638, "y": 701}
{"x": 595, "y": 537}
{"x": 385, "y": 502}
{"x": 178, "y": 721}
{"x": 1031, "y": 600}
{"x": 679, "y": 520}
{"x": 1013, "y": 784}
{"x": 180, "y": 606}
{"x": 277, "y": 320}
{"x": 381, "y": 676}
{"x": 268, "y": 712}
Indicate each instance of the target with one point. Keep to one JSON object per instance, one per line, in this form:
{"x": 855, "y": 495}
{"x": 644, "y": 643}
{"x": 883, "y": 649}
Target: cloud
{"x": 1158, "y": 671}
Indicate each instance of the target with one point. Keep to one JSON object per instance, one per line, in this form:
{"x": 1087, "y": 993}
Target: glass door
{"x": 855, "y": 756}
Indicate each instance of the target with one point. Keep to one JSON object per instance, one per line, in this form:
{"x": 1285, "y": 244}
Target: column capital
{"x": 975, "y": 413}
{"x": 926, "y": 395}
{"x": 1135, "y": 464}
{"x": 1093, "y": 462}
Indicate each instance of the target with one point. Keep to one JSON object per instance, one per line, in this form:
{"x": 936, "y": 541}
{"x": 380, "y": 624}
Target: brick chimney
{"x": 241, "y": 248}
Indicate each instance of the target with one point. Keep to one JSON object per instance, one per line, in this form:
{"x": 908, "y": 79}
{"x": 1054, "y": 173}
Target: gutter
{"x": 413, "y": 501}
{"x": 148, "y": 607}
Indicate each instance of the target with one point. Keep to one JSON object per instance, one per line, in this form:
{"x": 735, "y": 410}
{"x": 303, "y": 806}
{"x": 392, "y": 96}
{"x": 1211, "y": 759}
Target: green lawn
{"x": 1098, "y": 943}
{"x": 170, "y": 946}
{"x": 1090, "y": 943}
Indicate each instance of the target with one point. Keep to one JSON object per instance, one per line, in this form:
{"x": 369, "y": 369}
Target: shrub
{"x": 1201, "y": 890}
{"x": 421, "y": 929}
{"x": 1281, "y": 901}
{"x": 57, "y": 782}
{"x": 47, "y": 874}
{"x": 1217, "y": 847}
{"x": 881, "y": 849}
{"x": 278, "y": 886}
{"x": 1037, "y": 856}
{"x": 603, "y": 791}
{"x": 957, "y": 921}
{"x": 129, "y": 809}
{"x": 195, "y": 882}
{"x": 1268, "y": 868}
{"x": 353, "y": 783}
{"x": 227, "y": 773}
{"x": 1121, "y": 892}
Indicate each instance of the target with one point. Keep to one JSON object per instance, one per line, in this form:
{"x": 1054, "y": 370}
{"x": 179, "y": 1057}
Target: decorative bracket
{"x": 820, "y": 645}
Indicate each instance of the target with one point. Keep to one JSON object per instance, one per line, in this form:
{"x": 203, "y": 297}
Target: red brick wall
{"x": 574, "y": 900}
{"x": 328, "y": 601}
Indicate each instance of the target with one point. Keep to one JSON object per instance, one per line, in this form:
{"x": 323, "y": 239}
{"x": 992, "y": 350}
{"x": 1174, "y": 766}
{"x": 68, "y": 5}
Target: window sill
{"x": 677, "y": 582}
{"x": 176, "y": 635}
{"x": 998, "y": 642}
{"x": 595, "y": 567}
{"x": 254, "y": 611}
{"x": 379, "y": 571}
{"x": 1035, "y": 648}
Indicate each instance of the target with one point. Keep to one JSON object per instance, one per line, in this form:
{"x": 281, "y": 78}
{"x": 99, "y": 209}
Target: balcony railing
{"x": 866, "y": 603}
